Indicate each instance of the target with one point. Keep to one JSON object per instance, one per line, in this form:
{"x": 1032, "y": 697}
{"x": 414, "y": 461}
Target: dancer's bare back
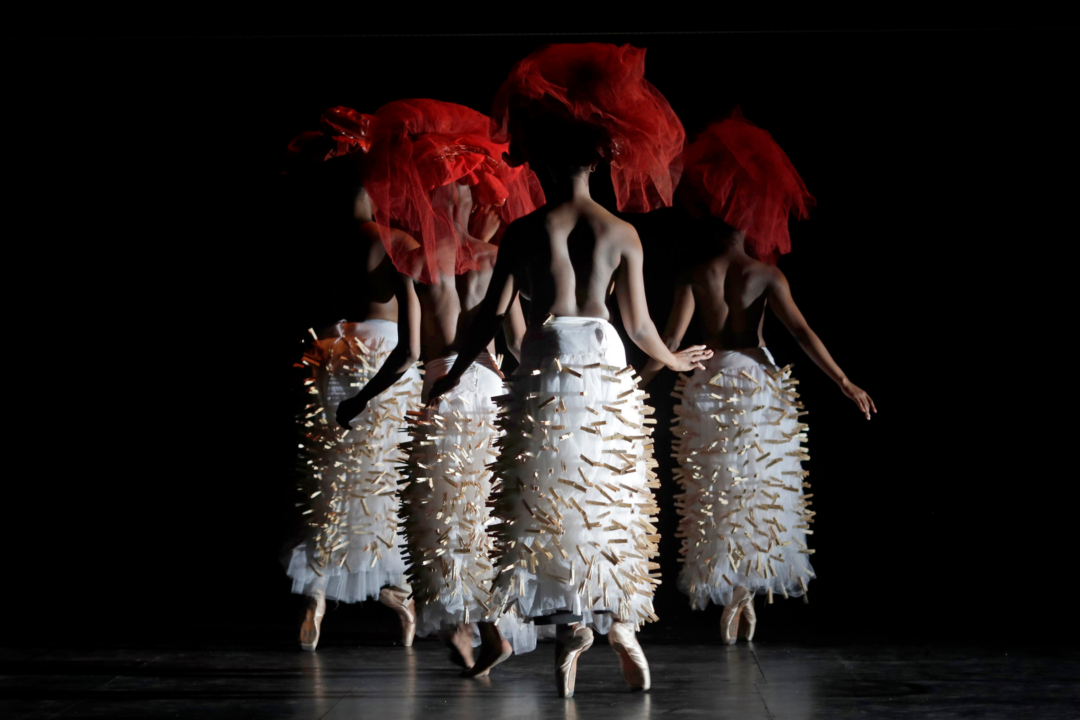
{"x": 730, "y": 292}
{"x": 448, "y": 305}
{"x": 563, "y": 258}
{"x": 369, "y": 295}
{"x": 566, "y": 257}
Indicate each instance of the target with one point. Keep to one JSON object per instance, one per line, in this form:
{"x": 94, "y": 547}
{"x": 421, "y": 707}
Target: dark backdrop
{"x": 160, "y": 292}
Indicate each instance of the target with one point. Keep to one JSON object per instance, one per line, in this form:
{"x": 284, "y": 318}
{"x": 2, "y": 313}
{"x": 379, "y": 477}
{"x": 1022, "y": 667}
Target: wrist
{"x": 844, "y": 382}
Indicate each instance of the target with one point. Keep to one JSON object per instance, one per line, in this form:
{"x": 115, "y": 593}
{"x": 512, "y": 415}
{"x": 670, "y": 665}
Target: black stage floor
{"x": 384, "y": 682}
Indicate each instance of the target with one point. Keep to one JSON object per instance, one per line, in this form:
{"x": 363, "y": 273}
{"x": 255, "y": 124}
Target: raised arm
{"x": 501, "y": 293}
{"x": 401, "y": 358}
{"x": 682, "y": 311}
{"x": 630, "y": 292}
{"x": 784, "y": 307}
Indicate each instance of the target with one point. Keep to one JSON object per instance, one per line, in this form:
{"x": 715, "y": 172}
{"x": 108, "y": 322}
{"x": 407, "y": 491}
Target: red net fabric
{"x": 422, "y": 151}
{"x": 344, "y": 132}
{"x": 604, "y": 86}
{"x": 738, "y": 171}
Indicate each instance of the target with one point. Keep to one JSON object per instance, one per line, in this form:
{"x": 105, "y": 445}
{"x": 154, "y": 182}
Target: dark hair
{"x": 551, "y": 139}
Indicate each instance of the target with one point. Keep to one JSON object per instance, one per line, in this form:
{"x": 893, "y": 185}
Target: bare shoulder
{"x": 484, "y": 253}
{"x": 772, "y": 276}
{"x": 618, "y": 231}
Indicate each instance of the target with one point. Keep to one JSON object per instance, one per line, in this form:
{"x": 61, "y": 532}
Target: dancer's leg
{"x": 635, "y": 668}
{"x": 729, "y": 620}
{"x": 570, "y": 641}
{"x": 459, "y": 640}
{"x": 397, "y": 599}
{"x": 313, "y": 615}
{"x": 493, "y": 650}
{"x": 748, "y": 621}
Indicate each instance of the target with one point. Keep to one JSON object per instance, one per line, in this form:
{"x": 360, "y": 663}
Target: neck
{"x": 734, "y": 241}
{"x": 567, "y": 187}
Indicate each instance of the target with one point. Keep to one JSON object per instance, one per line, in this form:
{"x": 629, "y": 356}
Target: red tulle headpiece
{"x": 344, "y": 132}
{"x": 604, "y": 86}
{"x": 421, "y": 151}
{"x": 739, "y": 172}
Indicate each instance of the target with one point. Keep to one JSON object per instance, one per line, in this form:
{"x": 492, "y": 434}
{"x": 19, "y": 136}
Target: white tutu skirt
{"x": 348, "y": 488}
{"x": 574, "y": 472}
{"x": 445, "y": 498}
{"x": 743, "y": 515}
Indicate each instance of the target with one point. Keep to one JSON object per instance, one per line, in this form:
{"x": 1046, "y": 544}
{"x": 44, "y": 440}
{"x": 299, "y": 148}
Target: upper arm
{"x": 503, "y": 287}
{"x": 376, "y": 249}
{"x": 408, "y": 314}
{"x": 630, "y": 281}
{"x": 783, "y": 305}
{"x": 514, "y": 325}
{"x": 682, "y": 311}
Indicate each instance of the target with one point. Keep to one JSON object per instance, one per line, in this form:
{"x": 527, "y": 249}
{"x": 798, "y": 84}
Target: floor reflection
{"x": 744, "y": 682}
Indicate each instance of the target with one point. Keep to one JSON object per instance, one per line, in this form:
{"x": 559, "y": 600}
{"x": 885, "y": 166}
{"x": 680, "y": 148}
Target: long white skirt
{"x": 348, "y": 490}
{"x": 445, "y": 500}
{"x": 743, "y": 515}
{"x": 575, "y": 468}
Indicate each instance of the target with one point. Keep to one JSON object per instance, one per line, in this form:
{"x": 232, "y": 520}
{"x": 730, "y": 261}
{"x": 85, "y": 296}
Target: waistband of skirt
{"x": 571, "y": 321}
{"x": 435, "y": 369}
{"x": 347, "y": 329}
{"x": 741, "y": 357}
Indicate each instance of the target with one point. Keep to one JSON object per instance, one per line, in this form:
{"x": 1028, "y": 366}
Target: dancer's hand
{"x": 440, "y": 387}
{"x": 487, "y": 224}
{"x": 689, "y": 358}
{"x": 348, "y": 409}
{"x": 859, "y": 396}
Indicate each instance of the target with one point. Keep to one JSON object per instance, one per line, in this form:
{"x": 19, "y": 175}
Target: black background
{"x": 157, "y": 302}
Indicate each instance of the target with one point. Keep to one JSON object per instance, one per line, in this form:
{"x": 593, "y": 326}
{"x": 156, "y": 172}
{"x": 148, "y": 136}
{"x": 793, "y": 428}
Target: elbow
{"x": 802, "y": 334}
{"x": 405, "y": 357}
{"x": 638, "y": 332}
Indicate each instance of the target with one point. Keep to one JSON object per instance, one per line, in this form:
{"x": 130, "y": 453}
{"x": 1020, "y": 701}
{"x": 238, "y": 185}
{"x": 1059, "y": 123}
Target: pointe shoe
{"x": 748, "y": 621}
{"x": 570, "y": 642}
{"x": 635, "y": 668}
{"x": 396, "y": 599}
{"x": 312, "y": 625}
{"x": 729, "y": 620}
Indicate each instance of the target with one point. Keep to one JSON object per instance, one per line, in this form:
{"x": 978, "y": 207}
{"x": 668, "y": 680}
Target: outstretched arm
{"x": 401, "y": 358}
{"x": 682, "y": 311}
{"x": 501, "y": 293}
{"x": 784, "y": 307}
{"x": 630, "y": 292}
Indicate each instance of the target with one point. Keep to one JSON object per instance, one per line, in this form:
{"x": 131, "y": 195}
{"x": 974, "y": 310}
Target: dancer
{"x": 445, "y": 496}
{"x": 575, "y": 544}
{"x": 348, "y": 487}
{"x": 744, "y": 515}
